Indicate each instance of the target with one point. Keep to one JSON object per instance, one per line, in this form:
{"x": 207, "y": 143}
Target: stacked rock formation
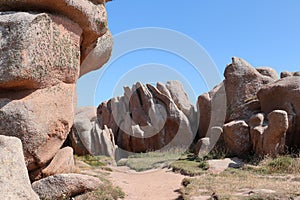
{"x": 45, "y": 46}
{"x": 149, "y": 118}
{"x": 261, "y": 113}
{"x": 87, "y": 137}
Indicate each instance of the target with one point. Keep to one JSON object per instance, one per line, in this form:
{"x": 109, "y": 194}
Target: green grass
{"x": 95, "y": 161}
{"x": 186, "y": 164}
{"x": 105, "y": 192}
{"x": 151, "y": 160}
{"x": 189, "y": 165}
{"x": 285, "y": 164}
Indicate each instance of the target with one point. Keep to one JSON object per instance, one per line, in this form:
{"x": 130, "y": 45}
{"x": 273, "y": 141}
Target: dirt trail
{"x": 160, "y": 184}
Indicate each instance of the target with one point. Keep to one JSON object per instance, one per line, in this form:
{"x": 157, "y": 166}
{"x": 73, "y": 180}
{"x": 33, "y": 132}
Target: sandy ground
{"x": 160, "y": 184}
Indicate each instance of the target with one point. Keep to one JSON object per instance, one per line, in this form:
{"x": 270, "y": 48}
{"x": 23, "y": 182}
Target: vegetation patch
{"x": 189, "y": 165}
{"x": 95, "y": 161}
{"x": 252, "y": 182}
{"x": 98, "y": 166}
{"x": 105, "y": 192}
{"x": 151, "y": 160}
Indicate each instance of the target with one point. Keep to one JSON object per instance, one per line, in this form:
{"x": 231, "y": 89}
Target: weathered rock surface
{"x": 42, "y": 46}
{"x": 65, "y": 186}
{"x": 214, "y": 140}
{"x": 252, "y": 94}
{"x": 91, "y": 16}
{"x": 146, "y": 118}
{"x": 269, "y": 139}
{"x": 284, "y": 94}
{"x": 212, "y": 110}
{"x": 242, "y": 82}
{"x": 218, "y": 166}
{"x": 180, "y": 97}
{"x": 41, "y": 118}
{"x": 88, "y": 138}
{"x": 268, "y": 71}
{"x": 237, "y": 137}
{"x": 99, "y": 55}
{"x": 288, "y": 74}
{"x": 62, "y": 163}
{"x": 38, "y": 50}
{"x": 14, "y": 180}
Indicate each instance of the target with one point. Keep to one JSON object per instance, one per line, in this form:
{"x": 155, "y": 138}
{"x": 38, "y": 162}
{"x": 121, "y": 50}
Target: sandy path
{"x": 161, "y": 184}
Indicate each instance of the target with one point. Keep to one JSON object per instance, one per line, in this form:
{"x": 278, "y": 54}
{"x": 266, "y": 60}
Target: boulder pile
{"x": 260, "y": 114}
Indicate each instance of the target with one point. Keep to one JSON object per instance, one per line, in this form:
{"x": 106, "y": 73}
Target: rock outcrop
{"x": 242, "y": 82}
{"x": 65, "y": 186}
{"x": 46, "y": 50}
{"x": 284, "y": 94}
{"x": 14, "y": 180}
{"x": 211, "y": 110}
{"x": 88, "y": 138}
{"x": 237, "y": 137}
{"x": 62, "y": 163}
{"x": 45, "y": 47}
{"x": 288, "y": 74}
{"x": 252, "y": 94}
{"x": 40, "y": 118}
{"x": 147, "y": 118}
{"x": 91, "y": 16}
{"x": 269, "y": 139}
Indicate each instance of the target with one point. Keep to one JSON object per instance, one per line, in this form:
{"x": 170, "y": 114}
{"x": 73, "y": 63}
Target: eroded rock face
{"x": 212, "y": 110}
{"x": 41, "y": 118}
{"x": 88, "y": 138}
{"x": 14, "y": 180}
{"x": 90, "y": 16}
{"x": 288, "y": 74}
{"x": 252, "y": 94}
{"x": 38, "y": 50}
{"x": 99, "y": 55}
{"x": 237, "y": 137}
{"x": 269, "y": 139}
{"x": 242, "y": 82}
{"x": 284, "y": 94}
{"x": 42, "y": 46}
{"x": 146, "y": 118}
{"x": 268, "y": 71}
{"x": 65, "y": 186}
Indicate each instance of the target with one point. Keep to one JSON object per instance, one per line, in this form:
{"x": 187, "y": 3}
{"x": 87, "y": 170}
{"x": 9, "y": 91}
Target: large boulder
{"x": 269, "y": 139}
{"x": 242, "y": 82}
{"x": 88, "y": 138}
{"x": 89, "y": 15}
{"x": 38, "y": 50}
{"x": 44, "y": 47}
{"x": 99, "y": 55}
{"x": 62, "y": 163}
{"x": 180, "y": 98}
{"x": 237, "y": 137}
{"x": 284, "y": 94}
{"x": 212, "y": 110}
{"x": 14, "y": 180}
{"x": 41, "y": 118}
{"x": 146, "y": 118}
{"x": 65, "y": 186}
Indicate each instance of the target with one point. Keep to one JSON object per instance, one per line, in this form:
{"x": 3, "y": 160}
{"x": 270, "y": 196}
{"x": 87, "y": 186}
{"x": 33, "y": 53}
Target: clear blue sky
{"x": 263, "y": 32}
